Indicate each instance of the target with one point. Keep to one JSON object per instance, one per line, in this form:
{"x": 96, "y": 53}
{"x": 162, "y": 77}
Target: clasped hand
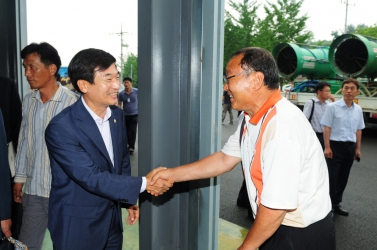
{"x": 158, "y": 186}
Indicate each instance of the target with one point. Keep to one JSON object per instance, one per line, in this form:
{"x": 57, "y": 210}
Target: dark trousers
{"x": 339, "y": 167}
{"x": 320, "y": 139}
{"x": 16, "y": 216}
{"x": 131, "y": 126}
{"x": 317, "y": 236}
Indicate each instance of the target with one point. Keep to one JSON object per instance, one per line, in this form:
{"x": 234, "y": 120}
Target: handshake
{"x": 159, "y": 180}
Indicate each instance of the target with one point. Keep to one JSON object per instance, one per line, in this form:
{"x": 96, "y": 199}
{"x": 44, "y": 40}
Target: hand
{"x": 5, "y": 227}
{"x": 328, "y": 153}
{"x": 357, "y": 153}
{"x": 160, "y": 186}
{"x": 17, "y": 192}
{"x": 331, "y": 97}
{"x": 133, "y": 215}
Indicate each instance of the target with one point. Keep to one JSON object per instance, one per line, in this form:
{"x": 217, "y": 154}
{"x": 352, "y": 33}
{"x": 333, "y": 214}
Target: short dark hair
{"x": 85, "y": 63}
{"x": 46, "y": 52}
{"x": 127, "y": 78}
{"x": 321, "y": 85}
{"x": 259, "y": 59}
{"x": 351, "y": 80}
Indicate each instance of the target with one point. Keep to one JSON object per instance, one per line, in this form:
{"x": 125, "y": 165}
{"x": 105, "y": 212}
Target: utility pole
{"x": 346, "y": 3}
{"x": 121, "y": 51}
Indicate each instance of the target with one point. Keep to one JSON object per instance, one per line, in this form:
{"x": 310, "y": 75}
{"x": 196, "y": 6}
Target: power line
{"x": 346, "y": 3}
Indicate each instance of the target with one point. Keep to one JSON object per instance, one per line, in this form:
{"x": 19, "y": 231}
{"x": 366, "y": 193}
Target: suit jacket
{"x": 86, "y": 188}
{"x": 11, "y": 106}
{"x": 5, "y": 186}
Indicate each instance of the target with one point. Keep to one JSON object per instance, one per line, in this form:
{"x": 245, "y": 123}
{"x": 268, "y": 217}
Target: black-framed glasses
{"x": 226, "y": 79}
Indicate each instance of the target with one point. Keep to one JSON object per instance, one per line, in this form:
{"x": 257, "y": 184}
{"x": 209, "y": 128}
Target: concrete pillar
{"x": 180, "y": 67}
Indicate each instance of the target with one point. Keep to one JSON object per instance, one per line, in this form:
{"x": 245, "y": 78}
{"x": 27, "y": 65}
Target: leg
{"x": 230, "y": 113}
{"x": 34, "y": 221}
{"x": 16, "y": 217}
{"x": 344, "y": 172}
{"x": 115, "y": 238}
{"x": 224, "y": 112}
{"x": 132, "y": 131}
{"x": 334, "y": 166}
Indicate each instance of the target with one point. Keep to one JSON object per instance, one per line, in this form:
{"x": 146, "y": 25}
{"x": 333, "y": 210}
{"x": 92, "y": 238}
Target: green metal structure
{"x": 293, "y": 60}
{"x": 353, "y": 55}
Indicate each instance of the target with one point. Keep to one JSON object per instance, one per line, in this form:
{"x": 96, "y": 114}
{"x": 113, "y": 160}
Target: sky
{"x": 73, "y": 25}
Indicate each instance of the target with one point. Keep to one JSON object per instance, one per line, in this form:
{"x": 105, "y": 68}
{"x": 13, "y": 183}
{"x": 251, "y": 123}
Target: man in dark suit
{"x": 90, "y": 162}
{"x": 5, "y": 187}
{"x": 11, "y": 106}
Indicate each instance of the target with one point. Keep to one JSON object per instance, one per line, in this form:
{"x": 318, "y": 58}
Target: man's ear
{"x": 82, "y": 84}
{"x": 53, "y": 69}
{"x": 258, "y": 80}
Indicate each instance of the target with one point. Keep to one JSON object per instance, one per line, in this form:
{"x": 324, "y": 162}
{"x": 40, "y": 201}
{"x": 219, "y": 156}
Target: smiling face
{"x": 104, "y": 91}
{"x": 239, "y": 87}
{"x": 37, "y": 74}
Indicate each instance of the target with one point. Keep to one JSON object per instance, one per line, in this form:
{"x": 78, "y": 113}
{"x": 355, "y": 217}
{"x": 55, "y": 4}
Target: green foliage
{"x": 130, "y": 69}
{"x": 282, "y": 24}
{"x": 239, "y": 32}
{"x": 370, "y": 31}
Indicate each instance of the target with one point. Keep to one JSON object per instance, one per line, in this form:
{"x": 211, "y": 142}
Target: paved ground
{"x": 358, "y": 230}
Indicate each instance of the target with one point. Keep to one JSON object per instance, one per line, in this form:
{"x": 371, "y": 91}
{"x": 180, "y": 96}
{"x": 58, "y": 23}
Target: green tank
{"x": 353, "y": 55}
{"x": 293, "y": 60}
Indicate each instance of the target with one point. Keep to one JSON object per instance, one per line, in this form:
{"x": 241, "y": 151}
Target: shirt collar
{"x": 343, "y": 103}
{"x": 271, "y": 101}
{"x": 55, "y": 97}
{"x": 95, "y": 116}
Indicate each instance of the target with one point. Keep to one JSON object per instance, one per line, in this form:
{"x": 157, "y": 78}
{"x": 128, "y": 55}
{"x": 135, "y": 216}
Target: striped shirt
{"x": 32, "y": 161}
{"x": 319, "y": 110}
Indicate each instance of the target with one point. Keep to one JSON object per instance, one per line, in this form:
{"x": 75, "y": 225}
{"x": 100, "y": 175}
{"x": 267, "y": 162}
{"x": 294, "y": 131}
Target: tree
{"x": 367, "y": 31}
{"x": 239, "y": 31}
{"x": 282, "y": 24}
{"x": 130, "y": 69}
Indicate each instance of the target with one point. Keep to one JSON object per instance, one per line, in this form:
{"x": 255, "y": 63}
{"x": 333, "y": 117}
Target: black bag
{"x": 5, "y": 244}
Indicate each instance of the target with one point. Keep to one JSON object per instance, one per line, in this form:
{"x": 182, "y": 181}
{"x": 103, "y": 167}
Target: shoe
{"x": 340, "y": 211}
{"x": 231, "y": 123}
{"x": 131, "y": 150}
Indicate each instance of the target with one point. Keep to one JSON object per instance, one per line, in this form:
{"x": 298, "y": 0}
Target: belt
{"x": 345, "y": 142}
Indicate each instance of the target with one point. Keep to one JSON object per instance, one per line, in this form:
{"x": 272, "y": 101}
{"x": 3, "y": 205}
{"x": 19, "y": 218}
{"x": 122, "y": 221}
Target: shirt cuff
{"x": 144, "y": 184}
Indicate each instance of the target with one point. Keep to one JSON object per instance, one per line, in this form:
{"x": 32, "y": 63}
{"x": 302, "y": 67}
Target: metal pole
{"x": 121, "y": 54}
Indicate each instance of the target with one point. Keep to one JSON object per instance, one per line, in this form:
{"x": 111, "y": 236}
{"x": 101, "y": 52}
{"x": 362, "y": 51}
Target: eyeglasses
{"x": 326, "y": 91}
{"x": 226, "y": 79}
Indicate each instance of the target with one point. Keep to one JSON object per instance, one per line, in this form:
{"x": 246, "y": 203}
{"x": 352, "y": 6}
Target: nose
{"x": 116, "y": 84}
{"x": 27, "y": 72}
{"x": 226, "y": 87}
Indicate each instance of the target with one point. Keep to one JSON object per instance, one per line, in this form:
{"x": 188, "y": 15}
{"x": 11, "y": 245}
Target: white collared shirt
{"x": 104, "y": 128}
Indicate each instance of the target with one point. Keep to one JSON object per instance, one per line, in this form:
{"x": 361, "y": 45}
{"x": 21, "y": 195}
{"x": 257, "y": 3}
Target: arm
{"x": 21, "y": 161}
{"x": 210, "y": 166}
{"x": 358, "y": 143}
{"x": 265, "y": 225}
{"x": 326, "y": 138}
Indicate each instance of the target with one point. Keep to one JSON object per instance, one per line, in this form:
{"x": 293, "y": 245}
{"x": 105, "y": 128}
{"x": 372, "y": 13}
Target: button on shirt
{"x": 319, "y": 111}
{"x": 343, "y": 121}
{"x": 104, "y": 128}
{"x": 32, "y": 160}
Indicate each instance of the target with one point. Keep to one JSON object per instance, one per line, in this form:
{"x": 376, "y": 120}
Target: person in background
{"x": 11, "y": 106}
{"x": 343, "y": 122}
{"x": 32, "y": 181}
{"x": 289, "y": 191}
{"x": 90, "y": 163}
{"x": 316, "y": 107}
{"x": 227, "y": 107}
{"x": 130, "y": 108}
{"x": 5, "y": 184}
